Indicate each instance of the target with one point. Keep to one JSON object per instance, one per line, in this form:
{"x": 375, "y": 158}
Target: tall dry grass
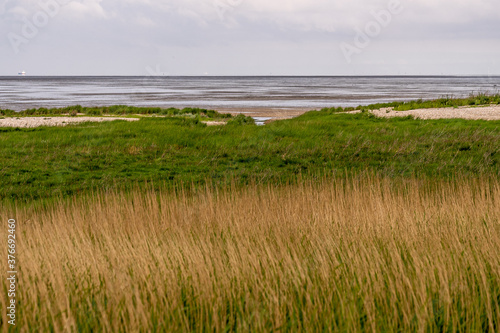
{"x": 364, "y": 254}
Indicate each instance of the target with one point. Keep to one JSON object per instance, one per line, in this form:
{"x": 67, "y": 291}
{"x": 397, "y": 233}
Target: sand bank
{"x": 274, "y": 113}
{"x": 482, "y": 112}
{"x": 29, "y": 122}
{"x": 473, "y": 113}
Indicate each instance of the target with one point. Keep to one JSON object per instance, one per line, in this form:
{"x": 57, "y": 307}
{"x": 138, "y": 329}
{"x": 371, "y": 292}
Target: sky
{"x": 250, "y": 37}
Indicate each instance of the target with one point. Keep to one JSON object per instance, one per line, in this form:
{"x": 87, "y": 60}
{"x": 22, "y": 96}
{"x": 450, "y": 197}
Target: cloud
{"x": 85, "y": 8}
{"x": 144, "y": 32}
{"x": 291, "y": 15}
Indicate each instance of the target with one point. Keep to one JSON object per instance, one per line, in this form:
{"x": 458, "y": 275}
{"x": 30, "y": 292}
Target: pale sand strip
{"x": 29, "y": 122}
{"x": 475, "y": 113}
{"x": 274, "y": 113}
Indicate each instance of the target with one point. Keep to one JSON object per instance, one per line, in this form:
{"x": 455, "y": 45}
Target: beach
{"x": 273, "y": 113}
{"x": 488, "y": 112}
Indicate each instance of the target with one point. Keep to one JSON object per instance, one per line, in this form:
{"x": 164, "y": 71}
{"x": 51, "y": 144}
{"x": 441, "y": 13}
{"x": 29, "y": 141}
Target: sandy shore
{"x": 274, "y": 113}
{"x": 29, "y": 122}
{"x": 485, "y": 112}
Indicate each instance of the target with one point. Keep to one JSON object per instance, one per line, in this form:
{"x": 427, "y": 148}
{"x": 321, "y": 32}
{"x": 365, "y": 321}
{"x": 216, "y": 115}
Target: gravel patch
{"x": 485, "y": 113}
{"x": 29, "y": 122}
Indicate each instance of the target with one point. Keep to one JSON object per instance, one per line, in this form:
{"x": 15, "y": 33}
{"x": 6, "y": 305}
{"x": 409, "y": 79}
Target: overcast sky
{"x": 250, "y": 37}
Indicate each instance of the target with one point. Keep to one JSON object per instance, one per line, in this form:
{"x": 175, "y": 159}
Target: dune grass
{"x": 444, "y": 102}
{"x": 118, "y": 110}
{"x": 360, "y": 254}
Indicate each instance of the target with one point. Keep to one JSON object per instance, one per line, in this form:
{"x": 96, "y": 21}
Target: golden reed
{"x": 358, "y": 254}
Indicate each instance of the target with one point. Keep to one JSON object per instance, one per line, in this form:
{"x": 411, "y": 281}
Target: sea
{"x": 25, "y": 92}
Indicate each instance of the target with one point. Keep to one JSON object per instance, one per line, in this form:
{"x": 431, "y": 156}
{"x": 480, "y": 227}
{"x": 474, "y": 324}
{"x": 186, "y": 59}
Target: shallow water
{"x": 260, "y": 121}
{"x": 19, "y": 93}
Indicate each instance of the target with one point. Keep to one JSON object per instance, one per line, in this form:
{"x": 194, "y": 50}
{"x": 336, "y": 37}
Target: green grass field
{"x": 44, "y": 163}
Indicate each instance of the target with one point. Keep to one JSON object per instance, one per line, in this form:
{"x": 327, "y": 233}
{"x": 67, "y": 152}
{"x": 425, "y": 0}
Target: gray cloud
{"x": 245, "y": 37}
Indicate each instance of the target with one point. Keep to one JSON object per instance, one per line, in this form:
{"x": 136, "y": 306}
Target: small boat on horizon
{"x": 23, "y": 73}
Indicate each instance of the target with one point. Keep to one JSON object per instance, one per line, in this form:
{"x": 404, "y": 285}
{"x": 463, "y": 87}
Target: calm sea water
{"x": 19, "y": 93}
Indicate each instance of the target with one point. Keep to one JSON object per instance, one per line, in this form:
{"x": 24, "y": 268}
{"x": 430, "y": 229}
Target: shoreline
{"x": 267, "y": 112}
{"x": 481, "y": 112}
{"x": 265, "y": 115}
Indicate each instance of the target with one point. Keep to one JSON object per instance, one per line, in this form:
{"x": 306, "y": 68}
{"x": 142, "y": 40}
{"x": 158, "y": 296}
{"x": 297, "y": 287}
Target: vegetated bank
{"x": 54, "y": 162}
{"x": 326, "y": 222}
{"x": 474, "y": 100}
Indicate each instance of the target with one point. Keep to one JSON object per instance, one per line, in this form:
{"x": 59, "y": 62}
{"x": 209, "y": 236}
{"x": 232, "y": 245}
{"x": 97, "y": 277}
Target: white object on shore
{"x": 23, "y": 73}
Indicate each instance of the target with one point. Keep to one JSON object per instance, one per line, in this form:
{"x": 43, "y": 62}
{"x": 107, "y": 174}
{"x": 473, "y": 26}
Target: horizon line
{"x": 233, "y": 76}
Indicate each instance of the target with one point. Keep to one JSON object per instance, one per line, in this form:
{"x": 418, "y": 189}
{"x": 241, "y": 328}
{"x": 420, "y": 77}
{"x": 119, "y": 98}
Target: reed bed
{"x": 361, "y": 254}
